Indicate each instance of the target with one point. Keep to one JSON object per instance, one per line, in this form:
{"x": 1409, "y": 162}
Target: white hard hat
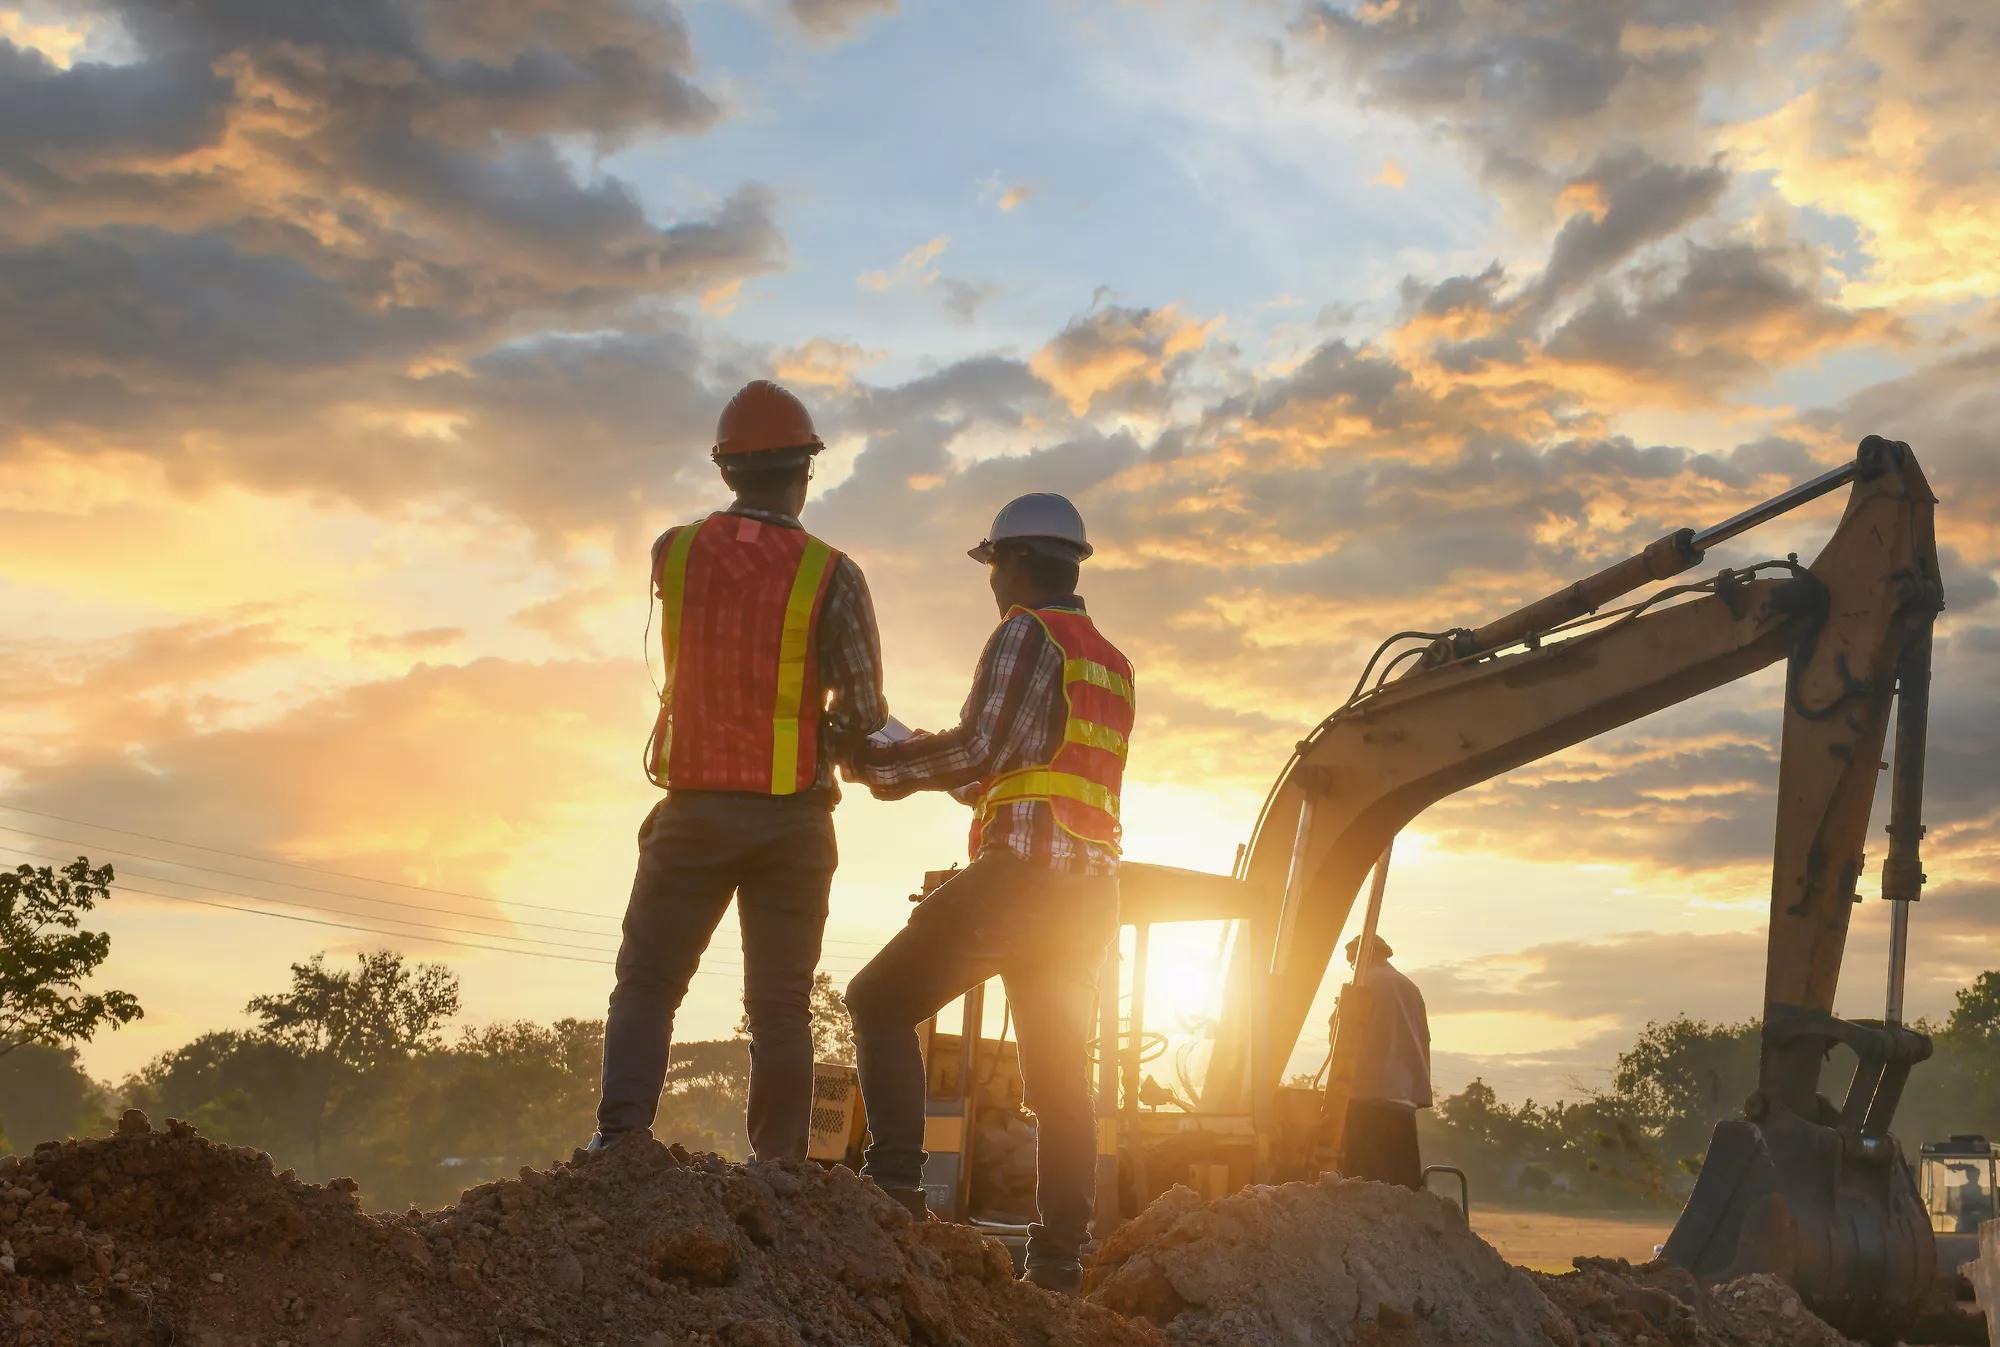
{"x": 1040, "y": 517}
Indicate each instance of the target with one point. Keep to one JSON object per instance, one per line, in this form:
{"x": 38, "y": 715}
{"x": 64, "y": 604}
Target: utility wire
{"x": 870, "y": 946}
{"x": 708, "y": 970}
{"x": 292, "y": 884}
{"x": 318, "y": 907}
{"x": 718, "y": 966}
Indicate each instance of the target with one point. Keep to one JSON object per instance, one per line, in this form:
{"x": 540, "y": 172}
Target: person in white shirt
{"x": 1393, "y": 1076}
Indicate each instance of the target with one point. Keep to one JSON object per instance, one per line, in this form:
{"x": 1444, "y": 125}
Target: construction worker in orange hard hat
{"x": 773, "y": 674}
{"x": 1039, "y": 754}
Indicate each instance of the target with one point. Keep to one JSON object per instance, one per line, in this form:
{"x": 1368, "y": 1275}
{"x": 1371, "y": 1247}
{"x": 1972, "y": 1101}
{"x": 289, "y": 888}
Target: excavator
{"x": 1817, "y": 1192}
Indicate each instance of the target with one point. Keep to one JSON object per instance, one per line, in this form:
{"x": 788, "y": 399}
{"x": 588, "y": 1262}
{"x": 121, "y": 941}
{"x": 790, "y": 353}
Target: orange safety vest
{"x": 741, "y": 705}
{"x": 1080, "y": 783}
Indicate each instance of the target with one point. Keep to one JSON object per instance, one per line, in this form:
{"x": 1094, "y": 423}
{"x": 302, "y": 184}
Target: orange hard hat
{"x": 765, "y": 424}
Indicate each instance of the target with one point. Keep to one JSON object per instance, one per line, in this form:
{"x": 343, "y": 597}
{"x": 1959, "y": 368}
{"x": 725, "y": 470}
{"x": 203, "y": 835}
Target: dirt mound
{"x": 164, "y": 1237}
{"x": 1611, "y": 1303}
{"x": 1338, "y": 1261}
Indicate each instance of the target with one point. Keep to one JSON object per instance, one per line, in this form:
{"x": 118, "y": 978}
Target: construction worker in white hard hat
{"x": 1039, "y": 754}
{"x": 773, "y": 673}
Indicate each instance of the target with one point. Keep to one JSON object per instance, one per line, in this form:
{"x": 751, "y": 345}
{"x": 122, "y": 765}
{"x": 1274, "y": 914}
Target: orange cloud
{"x": 1115, "y": 349}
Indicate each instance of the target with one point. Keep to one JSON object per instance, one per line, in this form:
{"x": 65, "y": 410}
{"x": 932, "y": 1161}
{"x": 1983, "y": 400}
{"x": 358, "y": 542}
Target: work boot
{"x": 605, "y": 1140}
{"x": 1064, "y": 1276}
{"x": 912, "y": 1200}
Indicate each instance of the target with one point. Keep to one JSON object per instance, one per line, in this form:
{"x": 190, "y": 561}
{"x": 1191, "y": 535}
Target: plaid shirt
{"x": 1014, "y": 718}
{"x": 849, "y": 653}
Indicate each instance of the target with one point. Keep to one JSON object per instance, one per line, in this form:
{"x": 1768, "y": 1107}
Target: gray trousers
{"x": 776, "y": 854}
{"x": 1043, "y": 933}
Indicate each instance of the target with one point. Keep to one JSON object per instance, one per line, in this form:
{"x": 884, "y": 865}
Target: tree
{"x": 1977, "y": 1014}
{"x": 346, "y": 1024}
{"x": 379, "y": 1012}
{"x": 45, "y": 1094}
{"x": 832, "y": 1026}
{"x": 1683, "y": 1076}
{"x": 45, "y": 956}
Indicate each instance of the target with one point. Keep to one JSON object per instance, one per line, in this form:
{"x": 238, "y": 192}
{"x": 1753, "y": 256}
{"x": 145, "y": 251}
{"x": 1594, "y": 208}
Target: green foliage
{"x": 379, "y": 1012}
{"x": 1976, "y": 1017}
{"x": 45, "y": 1093}
{"x": 351, "y": 1029}
{"x": 1594, "y": 1152}
{"x": 349, "y": 1073}
{"x": 45, "y": 956}
{"x": 1684, "y": 1076}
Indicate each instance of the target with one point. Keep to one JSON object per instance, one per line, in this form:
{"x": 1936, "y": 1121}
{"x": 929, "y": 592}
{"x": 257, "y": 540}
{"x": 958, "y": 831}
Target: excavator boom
{"x": 1798, "y": 1187}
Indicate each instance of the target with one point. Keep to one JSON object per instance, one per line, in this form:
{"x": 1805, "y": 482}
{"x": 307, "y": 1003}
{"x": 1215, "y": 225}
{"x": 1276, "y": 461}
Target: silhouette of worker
{"x": 1975, "y": 1204}
{"x": 1392, "y": 1076}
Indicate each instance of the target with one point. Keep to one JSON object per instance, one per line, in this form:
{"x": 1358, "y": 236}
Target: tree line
{"x": 1640, "y": 1142}
{"x": 349, "y": 1070}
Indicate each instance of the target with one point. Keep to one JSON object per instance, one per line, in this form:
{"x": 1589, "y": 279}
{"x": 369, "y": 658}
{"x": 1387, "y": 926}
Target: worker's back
{"x": 1395, "y": 1061}
{"x": 741, "y": 598}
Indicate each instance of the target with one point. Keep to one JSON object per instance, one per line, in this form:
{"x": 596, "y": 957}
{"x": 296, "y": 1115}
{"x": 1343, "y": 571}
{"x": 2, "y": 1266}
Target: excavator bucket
{"x": 1828, "y": 1205}
{"x": 1847, "y": 1231}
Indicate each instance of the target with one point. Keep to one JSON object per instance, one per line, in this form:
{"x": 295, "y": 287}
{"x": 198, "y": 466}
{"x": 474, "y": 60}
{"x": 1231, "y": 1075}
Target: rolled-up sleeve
{"x": 1010, "y": 691}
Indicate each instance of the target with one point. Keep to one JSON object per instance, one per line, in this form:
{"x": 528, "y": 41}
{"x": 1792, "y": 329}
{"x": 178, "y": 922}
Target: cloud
{"x": 917, "y": 270}
{"x": 1116, "y": 350}
{"x": 821, "y": 363}
{"x": 835, "y": 20}
{"x": 421, "y": 640}
{"x": 1014, "y": 197}
{"x": 279, "y": 218}
{"x": 964, "y": 299}
{"x": 1895, "y": 131}
{"x": 1390, "y": 175}
{"x": 1538, "y": 91}
{"x": 915, "y": 267}
{"x": 414, "y": 776}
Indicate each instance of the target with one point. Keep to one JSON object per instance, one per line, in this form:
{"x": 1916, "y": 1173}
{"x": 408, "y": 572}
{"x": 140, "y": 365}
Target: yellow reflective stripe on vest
{"x": 1090, "y": 671}
{"x": 1042, "y": 783}
{"x": 792, "y": 655}
{"x": 673, "y": 596}
{"x": 673, "y": 592}
{"x": 1093, "y": 735}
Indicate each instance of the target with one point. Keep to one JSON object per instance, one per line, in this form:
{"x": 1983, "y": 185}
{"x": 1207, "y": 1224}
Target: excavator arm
{"x": 1798, "y": 1187}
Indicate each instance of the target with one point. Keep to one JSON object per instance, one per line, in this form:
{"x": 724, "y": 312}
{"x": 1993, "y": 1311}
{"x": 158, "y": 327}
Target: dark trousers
{"x": 776, "y": 855}
{"x": 1044, "y": 933}
{"x": 1382, "y": 1143}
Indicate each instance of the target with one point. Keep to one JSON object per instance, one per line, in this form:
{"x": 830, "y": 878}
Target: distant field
{"x": 1547, "y": 1240}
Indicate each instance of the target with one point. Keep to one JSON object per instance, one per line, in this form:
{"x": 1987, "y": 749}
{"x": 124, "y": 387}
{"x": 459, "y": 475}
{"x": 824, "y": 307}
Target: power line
{"x": 291, "y": 884}
{"x": 295, "y": 865}
{"x": 716, "y": 968}
{"x": 318, "y": 907}
{"x": 336, "y": 874}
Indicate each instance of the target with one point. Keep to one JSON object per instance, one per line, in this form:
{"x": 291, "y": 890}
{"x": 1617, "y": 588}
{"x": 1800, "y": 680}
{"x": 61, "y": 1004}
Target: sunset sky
{"x": 352, "y": 355}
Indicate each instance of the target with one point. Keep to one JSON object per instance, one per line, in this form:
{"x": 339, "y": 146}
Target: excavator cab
{"x": 1956, "y": 1179}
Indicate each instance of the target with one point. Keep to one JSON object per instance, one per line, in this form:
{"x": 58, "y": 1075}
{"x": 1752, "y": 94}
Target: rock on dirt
{"x": 1611, "y": 1303}
{"x": 156, "y": 1237}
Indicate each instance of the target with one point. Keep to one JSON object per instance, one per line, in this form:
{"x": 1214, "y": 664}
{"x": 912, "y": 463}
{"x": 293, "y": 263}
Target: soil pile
{"x": 161, "y": 1237}
{"x": 1343, "y": 1262}
{"x": 164, "y": 1238}
{"x": 1611, "y": 1303}
{"x": 1332, "y": 1262}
